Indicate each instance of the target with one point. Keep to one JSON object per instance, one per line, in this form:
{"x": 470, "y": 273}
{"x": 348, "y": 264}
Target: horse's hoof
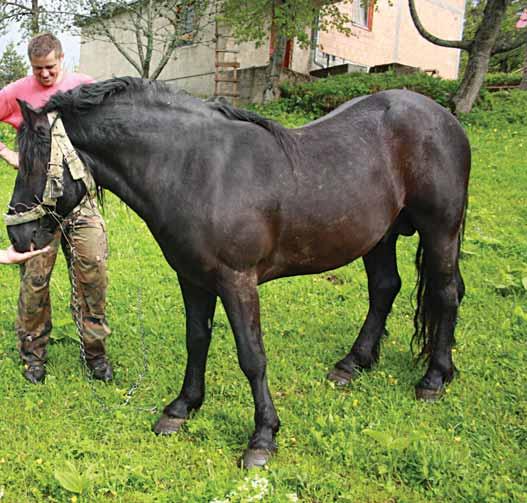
{"x": 166, "y": 425}
{"x": 255, "y": 458}
{"x": 428, "y": 395}
{"x": 341, "y": 377}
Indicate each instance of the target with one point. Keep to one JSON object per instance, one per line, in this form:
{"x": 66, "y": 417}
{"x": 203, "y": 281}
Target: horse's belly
{"x": 313, "y": 251}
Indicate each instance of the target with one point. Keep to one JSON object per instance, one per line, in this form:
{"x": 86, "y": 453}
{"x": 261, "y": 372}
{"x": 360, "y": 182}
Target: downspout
{"x": 315, "y": 37}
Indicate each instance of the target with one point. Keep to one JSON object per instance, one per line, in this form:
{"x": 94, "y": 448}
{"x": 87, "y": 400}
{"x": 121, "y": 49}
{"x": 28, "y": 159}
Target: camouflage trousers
{"x": 85, "y": 230}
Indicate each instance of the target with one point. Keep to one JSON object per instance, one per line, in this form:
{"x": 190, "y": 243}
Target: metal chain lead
{"x": 77, "y": 318}
{"x": 133, "y": 388}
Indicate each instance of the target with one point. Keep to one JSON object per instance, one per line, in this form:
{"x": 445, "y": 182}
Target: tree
{"x": 12, "y": 66}
{"x": 503, "y": 62}
{"x": 480, "y": 48}
{"x": 522, "y": 24}
{"x": 252, "y": 20}
{"x": 146, "y": 32}
{"x": 35, "y": 16}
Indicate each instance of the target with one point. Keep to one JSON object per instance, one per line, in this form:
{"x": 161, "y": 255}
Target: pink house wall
{"x": 393, "y": 37}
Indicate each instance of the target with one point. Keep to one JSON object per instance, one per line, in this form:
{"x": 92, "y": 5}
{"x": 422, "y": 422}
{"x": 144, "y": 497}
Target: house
{"x": 383, "y": 34}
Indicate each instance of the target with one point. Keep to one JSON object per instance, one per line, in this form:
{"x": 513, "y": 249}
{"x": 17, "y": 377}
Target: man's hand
{"x": 11, "y": 256}
{"x": 10, "y": 157}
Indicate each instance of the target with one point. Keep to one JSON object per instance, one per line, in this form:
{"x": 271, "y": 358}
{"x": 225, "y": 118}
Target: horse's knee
{"x": 253, "y": 369}
{"x": 384, "y": 290}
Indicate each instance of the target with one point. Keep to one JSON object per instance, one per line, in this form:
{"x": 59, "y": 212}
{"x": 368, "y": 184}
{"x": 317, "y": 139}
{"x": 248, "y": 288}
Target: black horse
{"x": 235, "y": 200}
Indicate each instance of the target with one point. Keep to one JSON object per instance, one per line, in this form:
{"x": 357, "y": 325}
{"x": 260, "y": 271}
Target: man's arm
{"x": 10, "y": 157}
{"x": 6, "y": 109}
{"x": 11, "y": 256}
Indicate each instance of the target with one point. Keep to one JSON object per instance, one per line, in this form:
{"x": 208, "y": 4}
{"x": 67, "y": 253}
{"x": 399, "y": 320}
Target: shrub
{"x": 7, "y": 135}
{"x": 324, "y": 95}
{"x": 498, "y": 109}
{"x": 503, "y": 79}
{"x": 320, "y": 97}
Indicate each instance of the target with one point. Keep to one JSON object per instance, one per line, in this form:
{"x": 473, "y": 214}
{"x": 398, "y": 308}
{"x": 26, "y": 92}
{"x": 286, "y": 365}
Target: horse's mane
{"x": 88, "y": 96}
{"x": 282, "y": 135}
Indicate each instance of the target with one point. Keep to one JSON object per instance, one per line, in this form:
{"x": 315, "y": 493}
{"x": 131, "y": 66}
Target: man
{"x": 84, "y": 229}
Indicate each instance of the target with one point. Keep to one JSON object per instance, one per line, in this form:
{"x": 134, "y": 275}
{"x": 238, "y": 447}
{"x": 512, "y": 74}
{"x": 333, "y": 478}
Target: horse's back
{"x": 362, "y": 166}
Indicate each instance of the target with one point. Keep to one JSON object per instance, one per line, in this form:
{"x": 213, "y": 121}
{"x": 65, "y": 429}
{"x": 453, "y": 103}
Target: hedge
{"x": 323, "y": 95}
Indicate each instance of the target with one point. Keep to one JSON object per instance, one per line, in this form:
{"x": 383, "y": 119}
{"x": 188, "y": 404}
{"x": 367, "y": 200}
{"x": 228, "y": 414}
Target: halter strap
{"x": 61, "y": 150}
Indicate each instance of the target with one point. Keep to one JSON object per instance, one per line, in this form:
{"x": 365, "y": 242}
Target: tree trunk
{"x": 479, "y": 56}
{"x": 274, "y": 70}
{"x": 523, "y": 83}
{"x": 35, "y": 24}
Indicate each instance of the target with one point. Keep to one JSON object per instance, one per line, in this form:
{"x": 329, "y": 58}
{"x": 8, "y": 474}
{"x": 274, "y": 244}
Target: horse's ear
{"x": 28, "y": 113}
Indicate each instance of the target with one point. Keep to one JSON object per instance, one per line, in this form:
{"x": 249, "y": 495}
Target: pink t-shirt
{"x": 31, "y": 91}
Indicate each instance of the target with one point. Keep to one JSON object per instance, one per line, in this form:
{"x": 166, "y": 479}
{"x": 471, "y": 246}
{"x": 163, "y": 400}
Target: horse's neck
{"x": 111, "y": 171}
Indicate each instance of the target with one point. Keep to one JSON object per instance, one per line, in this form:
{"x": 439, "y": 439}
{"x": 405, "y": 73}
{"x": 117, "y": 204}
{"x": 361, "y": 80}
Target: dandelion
{"x": 457, "y": 439}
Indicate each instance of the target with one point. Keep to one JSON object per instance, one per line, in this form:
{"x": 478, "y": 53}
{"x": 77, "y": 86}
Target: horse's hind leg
{"x": 384, "y": 284}
{"x": 440, "y": 292}
{"x": 199, "y": 308}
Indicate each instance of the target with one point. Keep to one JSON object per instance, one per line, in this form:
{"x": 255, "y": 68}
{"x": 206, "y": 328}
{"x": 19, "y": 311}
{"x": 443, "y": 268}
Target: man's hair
{"x": 42, "y": 45}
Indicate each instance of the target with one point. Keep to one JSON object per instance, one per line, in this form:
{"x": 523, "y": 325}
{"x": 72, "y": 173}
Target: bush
{"x": 324, "y": 95}
{"x": 503, "y": 79}
{"x": 12, "y": 66}
{"x": 320, "y": 97}
{"x": 498, "y": 109}
{"x": 7, "y": 135}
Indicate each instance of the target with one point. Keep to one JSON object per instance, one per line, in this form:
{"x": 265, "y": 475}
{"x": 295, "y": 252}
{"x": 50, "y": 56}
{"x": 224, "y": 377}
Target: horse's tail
{"x": 428, "y": 314}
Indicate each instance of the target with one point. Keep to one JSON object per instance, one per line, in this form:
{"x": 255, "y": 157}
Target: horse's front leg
{"x": 240, "y": 299}
{"x": 199, "y": 307}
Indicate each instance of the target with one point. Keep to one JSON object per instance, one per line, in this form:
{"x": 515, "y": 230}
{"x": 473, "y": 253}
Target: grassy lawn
{"x": 371, "y": 442}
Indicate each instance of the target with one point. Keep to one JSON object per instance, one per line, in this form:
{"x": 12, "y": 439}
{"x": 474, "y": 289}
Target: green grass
{"x": 371, "y": 442}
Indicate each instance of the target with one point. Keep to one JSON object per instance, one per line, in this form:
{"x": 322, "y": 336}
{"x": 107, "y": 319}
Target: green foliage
{"x": 250, "y": 19}
{"x": 499, "y": 109}
{"x": 7, "y": 135}
{"x": 12, "y": 66}
{"x": 323, "y": 95}
{"x": 37, "y": 16}
{"x": 506, "y": 62}
{"x": 72, "y": 480}
{"x": 370, "y": 442}
{"x": 503, "y": 79}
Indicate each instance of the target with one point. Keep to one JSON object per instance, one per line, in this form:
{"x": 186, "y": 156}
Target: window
{"x": 359, "y": 12}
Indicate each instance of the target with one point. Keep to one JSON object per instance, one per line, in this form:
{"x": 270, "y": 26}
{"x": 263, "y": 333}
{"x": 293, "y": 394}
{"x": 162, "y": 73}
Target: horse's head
{"x": 33, "y": 216}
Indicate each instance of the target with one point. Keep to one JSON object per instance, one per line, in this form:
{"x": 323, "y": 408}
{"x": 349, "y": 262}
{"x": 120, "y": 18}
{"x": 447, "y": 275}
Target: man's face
{"x": 47, "y": 69}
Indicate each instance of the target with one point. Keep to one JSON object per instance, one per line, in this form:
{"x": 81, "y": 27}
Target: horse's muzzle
{"x": 23, "y": 236}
